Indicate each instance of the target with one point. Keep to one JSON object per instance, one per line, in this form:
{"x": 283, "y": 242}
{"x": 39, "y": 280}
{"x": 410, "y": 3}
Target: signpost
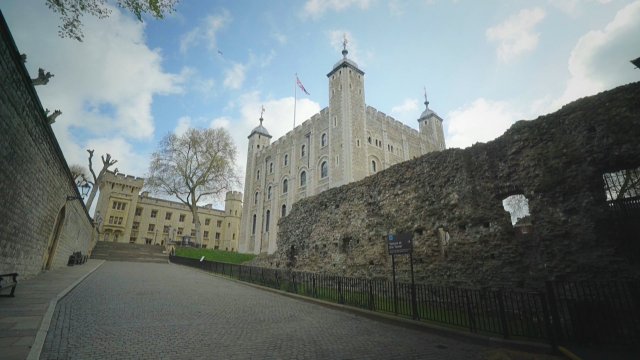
{"x": 402, "y": 244}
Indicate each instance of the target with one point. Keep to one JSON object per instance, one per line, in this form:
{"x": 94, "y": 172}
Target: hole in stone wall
{"x": 622, "y": 187}
{"x": 518, "y": 206}
{"x": 345, "y": 245}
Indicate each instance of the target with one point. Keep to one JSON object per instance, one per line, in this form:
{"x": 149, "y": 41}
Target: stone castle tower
{"x": 344, "y": 142}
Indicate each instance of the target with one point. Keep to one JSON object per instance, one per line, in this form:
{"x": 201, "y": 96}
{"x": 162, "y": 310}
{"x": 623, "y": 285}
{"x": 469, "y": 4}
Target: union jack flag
{"x": 301, "y": 86}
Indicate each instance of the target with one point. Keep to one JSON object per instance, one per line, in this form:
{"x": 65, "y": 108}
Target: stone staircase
{"x": 113, "y": 251}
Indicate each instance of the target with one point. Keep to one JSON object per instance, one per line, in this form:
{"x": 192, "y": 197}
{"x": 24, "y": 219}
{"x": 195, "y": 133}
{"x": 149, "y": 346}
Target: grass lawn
{"x": 214, "y": 255}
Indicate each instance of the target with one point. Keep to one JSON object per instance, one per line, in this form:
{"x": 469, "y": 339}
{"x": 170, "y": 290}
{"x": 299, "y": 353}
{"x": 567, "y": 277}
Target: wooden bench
{"x": 9, "y": 281}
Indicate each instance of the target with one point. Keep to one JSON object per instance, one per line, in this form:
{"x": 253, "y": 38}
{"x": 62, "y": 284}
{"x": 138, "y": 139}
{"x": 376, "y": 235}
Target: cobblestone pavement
{"x": 164, "y": 311}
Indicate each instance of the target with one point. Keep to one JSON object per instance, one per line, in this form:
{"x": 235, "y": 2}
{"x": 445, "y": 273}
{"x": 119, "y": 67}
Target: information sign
{"x": 400, "y": 244}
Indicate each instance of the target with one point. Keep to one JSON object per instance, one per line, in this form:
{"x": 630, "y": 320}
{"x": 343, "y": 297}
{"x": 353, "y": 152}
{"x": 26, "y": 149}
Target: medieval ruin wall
{"x": 452, "y": 203}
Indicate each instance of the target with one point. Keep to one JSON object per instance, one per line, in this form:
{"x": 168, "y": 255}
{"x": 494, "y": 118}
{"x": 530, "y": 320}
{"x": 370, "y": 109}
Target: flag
{"x": 301, "y": 86}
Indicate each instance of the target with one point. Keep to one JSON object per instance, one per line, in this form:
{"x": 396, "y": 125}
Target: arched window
{"x": 303, "y": 178}
{"x": 253, "y": 229}
{"x": 302, "y": 149}
{"x": 286, "y": 159}
{"x": 285, "y": 186}
{"x": 323, "y": 140}
{"x": 255, "y": 199}
{"x": 324, "y": 170}
{"x": 373, "y": 166}
{"x": 284, "y": 210}
{"x": 269, "y": 193}
{"x": 369, "y": 139}
{"x": 266, "y": 221}
{"x": 271, "y": 168}
{"x": 258, "y": 175}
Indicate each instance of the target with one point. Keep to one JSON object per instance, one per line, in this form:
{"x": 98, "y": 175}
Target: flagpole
{"x": 295, "y": 100}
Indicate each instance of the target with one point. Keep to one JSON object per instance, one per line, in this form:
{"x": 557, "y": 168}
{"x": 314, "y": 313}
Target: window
{"x": 228, "y": 225}
{"x": 303, "y": 178}
{"x": 286, "y": 159}
{"x": 270, "y": 168}
{"x": 266, "y": 221}
{"x": 373, "y": 166}
{"x": 167, "y": 216}
{"x": 217, "y": 236}
{"x": 285, "y": 186}
{"x": 138, "y": 211}
{"x": 110, "y": 219}
{"x": 154, "y": 213}
{"x": 302, "y": 149}
{"x": 182, "y": 217}
{"x": 323, "y": 140}
{"x": 206, "y": 235}
{"x": 258, "y": 175}
{"x": 136, "y": 225}
{"x": 120, "y": 220}
{"x": 152, "y": 227}
{"x": 180, "y": 231}
{"x": 269, "y": 193}
{"x": 518, "y": 207}
{"x": 166, "y": 228}
{"x": 118, "y": 205}
{"x": 255, "y": 199}
{"x": 193, "y": 232}
{"x": 369, "y": 139}
{"x": 324, "y": 170}
{"x": 233, "y": 237}
{"x": 284, "y": 210}
{"x": 253, "y": 228}
{"x": 207, "y": 222}
{"x": 219, "y": 223}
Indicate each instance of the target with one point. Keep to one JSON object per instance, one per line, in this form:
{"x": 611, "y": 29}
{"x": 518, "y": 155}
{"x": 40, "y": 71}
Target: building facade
{"x": 134, "y": 217}
{"x": 344, "y": 142}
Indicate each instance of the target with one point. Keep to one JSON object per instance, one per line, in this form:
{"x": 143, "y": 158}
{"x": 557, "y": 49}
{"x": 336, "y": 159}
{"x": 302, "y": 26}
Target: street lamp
{"x": 84, "y": 190}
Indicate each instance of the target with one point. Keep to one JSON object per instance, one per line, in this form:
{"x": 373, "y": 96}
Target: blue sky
{"x": 485, "y": 64}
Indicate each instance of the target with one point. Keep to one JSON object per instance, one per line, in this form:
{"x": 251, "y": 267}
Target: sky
{"x": 484, "y": 64}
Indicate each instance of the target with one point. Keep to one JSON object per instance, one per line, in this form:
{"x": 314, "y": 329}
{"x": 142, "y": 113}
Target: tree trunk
{"x": 196, "y": 219}
{"x": 92, "y": 194}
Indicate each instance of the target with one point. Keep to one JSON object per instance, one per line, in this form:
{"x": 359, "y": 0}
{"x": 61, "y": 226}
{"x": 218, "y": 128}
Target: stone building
{"x": 43, "y": 219}
{"x": 343, "y": 143}
{"x": 134, "y": 217}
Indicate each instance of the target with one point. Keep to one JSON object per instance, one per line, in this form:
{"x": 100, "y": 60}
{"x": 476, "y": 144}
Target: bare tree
{"x": 71, "y": 10}
{"x": 106, "y": 163}
{"x": 196, "y": 165}
{"x": 79, "y": 173}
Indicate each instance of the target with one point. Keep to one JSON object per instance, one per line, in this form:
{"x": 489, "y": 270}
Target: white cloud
{"x": 206, "y": 32}
{"x": 223, "y": 122}
{"x": 129, "y": 161}
{"x": 515, "y": 36}
{"x": 184, "y": 123}
{"x": 407, "y": 112}
{"x": 600, "y": 59}
{"x": 316, "y": 8}
{"x": 234, "y": 76}
{"x": 480, "y": 121}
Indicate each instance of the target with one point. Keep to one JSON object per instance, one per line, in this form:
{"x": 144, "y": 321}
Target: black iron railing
{"x": 566, "y": 311}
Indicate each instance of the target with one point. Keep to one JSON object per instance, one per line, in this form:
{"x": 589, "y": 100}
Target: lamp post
{"x": 84, "y": 190}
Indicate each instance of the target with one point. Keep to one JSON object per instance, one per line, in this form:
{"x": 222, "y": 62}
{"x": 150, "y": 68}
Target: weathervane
{"x": 261, "y": 113}
{"x": 426, "y": 102}
{"x": 344, "y": 46}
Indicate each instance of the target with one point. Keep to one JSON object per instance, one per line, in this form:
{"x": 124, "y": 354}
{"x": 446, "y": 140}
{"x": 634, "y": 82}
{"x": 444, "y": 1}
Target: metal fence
{"x": 567, "y": 311}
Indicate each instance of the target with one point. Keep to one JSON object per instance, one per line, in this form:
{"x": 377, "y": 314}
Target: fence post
{"x": 340, "y": 296}
{"x": 315, "y": 290}
{"x": 472, "y": 321}
{"x": 503, "y": 315}
{"x": 277, "y": 281}
{"x": 371, "y": 304}
{"x": 550, "y": 297}
{"x": 295, "y": 284}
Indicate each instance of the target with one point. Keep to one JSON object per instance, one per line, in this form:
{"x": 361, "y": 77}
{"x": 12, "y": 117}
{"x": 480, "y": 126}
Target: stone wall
{"x": 557, "y": 161}
{"x": 34, "y": 180}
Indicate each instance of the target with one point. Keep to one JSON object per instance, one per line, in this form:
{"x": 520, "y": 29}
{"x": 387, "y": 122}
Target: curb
{"x": 568, "y": 354}
{"x": 399, "y": 321}
{"x": 38, "y": 343}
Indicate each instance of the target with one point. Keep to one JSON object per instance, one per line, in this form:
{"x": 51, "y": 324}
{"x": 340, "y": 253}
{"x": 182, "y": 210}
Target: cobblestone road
{"x": 163, "y": 311}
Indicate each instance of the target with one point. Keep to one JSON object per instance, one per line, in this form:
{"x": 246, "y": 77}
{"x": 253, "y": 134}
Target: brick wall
{"x": 34, "y": 177}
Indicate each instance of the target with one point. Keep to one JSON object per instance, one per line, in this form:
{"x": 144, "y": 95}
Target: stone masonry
{"x": 34, "y": 180}
{"x": 452, "y": 203}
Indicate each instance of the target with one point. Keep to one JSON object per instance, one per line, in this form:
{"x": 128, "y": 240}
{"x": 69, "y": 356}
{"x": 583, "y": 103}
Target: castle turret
{"x": 431, "y": 127}
{"x": 347, "y": 121}
{"x": 118, "y": 196}
{"x": 233, "y": 213}
{"x": 259, "y": 139}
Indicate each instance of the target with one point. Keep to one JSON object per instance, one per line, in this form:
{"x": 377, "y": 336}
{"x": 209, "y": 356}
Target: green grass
{"x": 214, "y": 255}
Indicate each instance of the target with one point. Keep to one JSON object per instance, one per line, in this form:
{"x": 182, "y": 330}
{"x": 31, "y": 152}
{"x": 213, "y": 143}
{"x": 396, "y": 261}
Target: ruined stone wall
{"x": 34, "y": 178}
{"x": 557, "y": 161}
